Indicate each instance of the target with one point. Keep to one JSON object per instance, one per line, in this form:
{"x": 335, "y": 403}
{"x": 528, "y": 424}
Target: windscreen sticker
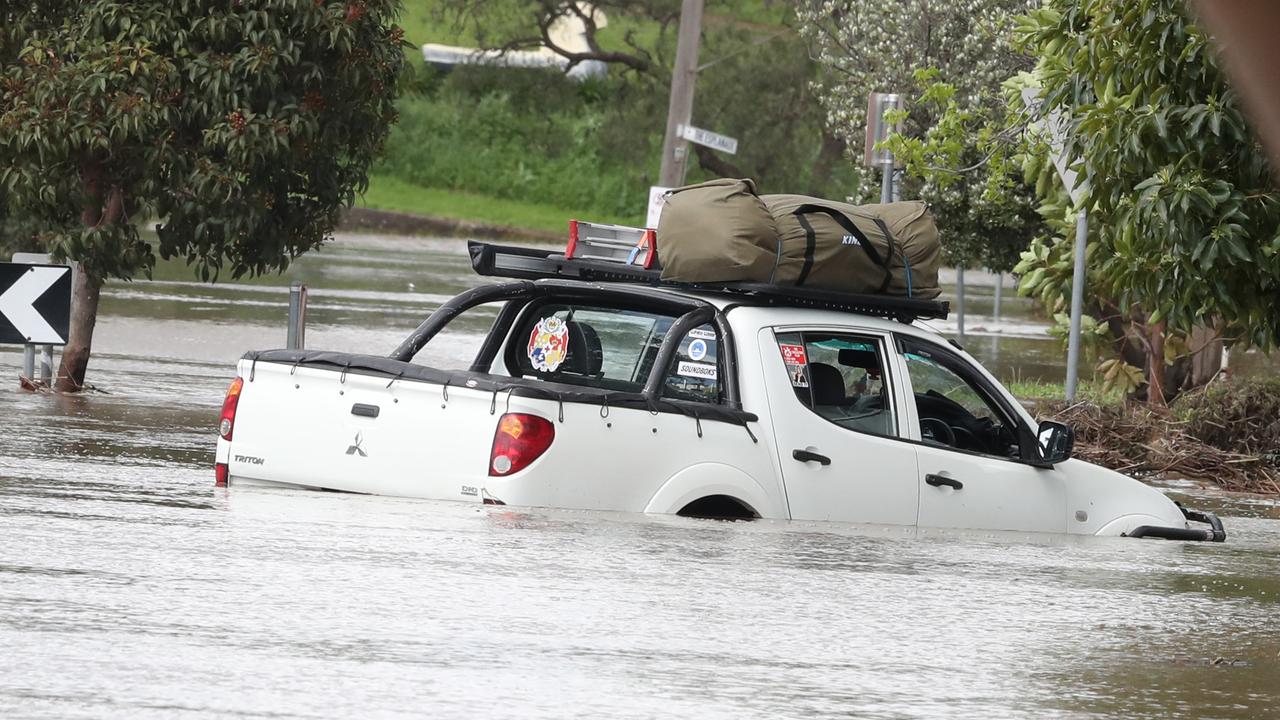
{"x": 697, "y": 350}
{"x": 701, "y": 334}
{"x": 704, "y": 371}
{"x": 792, "y": 354}
{"x": 798, "y": 376}
{"x": 795, "y": 359}
{"x": 548, "y": 344}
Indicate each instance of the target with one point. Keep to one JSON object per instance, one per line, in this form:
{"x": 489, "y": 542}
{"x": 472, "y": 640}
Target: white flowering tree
{"x": 949, "y": 59}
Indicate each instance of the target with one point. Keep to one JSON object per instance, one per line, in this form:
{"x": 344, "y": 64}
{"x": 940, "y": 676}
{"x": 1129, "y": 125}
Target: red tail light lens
{"x": 519, "y": 441}
{"x": 228, "y": 422}
{"x": 220, "y": 473}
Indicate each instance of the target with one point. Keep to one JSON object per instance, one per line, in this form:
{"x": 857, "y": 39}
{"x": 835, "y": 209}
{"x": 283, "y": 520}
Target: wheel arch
{"x": 713, "y": 479}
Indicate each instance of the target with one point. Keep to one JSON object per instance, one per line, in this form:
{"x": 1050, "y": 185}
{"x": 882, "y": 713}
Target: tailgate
{"x": 327, "y": 428}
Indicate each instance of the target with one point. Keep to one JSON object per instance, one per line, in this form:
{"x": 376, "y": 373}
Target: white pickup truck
{"x": 599, "y": 387}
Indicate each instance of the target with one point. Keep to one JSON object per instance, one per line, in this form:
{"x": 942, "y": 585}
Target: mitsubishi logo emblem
{"x": 355, "y": 447}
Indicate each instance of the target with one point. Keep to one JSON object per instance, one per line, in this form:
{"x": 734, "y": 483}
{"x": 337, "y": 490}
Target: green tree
{"x": 950, "y": 60}
{"x": 243, "y": 127}
{"x": 746, "y": 65}
{"x": 1183, "y": 208}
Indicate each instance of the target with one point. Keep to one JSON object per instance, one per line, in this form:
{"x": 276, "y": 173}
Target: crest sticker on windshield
{"x": 548, "y": 344}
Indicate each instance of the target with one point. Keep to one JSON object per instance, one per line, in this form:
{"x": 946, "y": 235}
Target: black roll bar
{"x": 517, "y": 294}
{"x": 670, "y": 343}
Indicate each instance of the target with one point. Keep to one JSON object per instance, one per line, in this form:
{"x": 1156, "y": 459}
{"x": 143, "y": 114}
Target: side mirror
{"x": 1054, "y": 442}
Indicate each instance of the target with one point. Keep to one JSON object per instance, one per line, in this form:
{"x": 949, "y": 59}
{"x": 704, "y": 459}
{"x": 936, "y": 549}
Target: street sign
{"x": 35, "y": 303}
{"x": 1056, "y": 128}
{"x": 878, "y": 128}
{"x": 715, "y": 141}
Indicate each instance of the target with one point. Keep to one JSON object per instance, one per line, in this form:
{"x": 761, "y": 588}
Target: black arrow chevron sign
{"x": 35, "y": 303}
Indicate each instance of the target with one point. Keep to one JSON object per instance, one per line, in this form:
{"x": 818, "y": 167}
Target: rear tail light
{"x": 220, "y": 473}
{"x": 520, "y": 440}
{"x": 228, "y": 422}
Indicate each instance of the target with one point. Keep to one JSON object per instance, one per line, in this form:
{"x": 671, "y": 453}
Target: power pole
{"x": 675, "y": 151}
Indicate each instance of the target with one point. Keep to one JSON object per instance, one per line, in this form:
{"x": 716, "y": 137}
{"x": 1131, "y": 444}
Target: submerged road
{"x": 130, "y": 587}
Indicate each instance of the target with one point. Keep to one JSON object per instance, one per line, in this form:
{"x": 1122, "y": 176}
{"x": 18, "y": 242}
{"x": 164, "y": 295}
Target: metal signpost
{"x": 878, "y": 129}
{"x": 35, "y": 310}
{"x": 1055, "y": 126}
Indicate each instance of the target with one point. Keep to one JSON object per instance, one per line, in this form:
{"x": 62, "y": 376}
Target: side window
{"x": 954, "y": 411}
{"x": 695, "y": 374}
{"x": 612, "y": 349}
{"x": 841, "y": 379}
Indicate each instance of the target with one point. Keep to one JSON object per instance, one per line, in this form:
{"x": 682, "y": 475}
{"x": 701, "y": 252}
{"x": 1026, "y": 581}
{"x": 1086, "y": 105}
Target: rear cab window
{"x": 613, "y": 348}
{"x": 840, "y": 377}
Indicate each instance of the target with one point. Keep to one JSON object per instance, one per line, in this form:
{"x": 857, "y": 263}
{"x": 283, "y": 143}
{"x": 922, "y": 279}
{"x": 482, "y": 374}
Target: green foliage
{"x": 1183, "y": 209}
{"x": 391, "y": 193}
{"x": 17, "y": 234}
{"x": 244, "y": 127}
{"x": 1040, "y": 390}
{"x": 760, "y": 90}
{"x": 505, "y": 144}
{"x": 535, "y": 137}
{"x": 955, "y": 56}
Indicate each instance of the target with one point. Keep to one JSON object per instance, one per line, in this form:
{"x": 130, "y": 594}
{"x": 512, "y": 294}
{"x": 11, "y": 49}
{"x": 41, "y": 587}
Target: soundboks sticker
{"x": 704, "y": 371}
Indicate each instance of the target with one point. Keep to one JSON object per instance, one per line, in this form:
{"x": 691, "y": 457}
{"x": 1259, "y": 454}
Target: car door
{"x": 971, "y": 473}
{"x": 836, "y": 420}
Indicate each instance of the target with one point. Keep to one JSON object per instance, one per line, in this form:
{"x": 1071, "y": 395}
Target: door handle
{"x": 806, "y": 456}
{"x": 939, "y": 481}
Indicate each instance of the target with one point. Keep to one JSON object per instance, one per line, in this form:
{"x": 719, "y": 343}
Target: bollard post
{"x": 296, "y": 338}
{"x": 999, "y": 293}
{"x": 46, "y": 365}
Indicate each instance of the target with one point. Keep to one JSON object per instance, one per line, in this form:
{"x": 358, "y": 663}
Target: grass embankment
{"x": 1042, "y": 391}
{"x": 391, "y": 193}
{"x": 527, "y": 148}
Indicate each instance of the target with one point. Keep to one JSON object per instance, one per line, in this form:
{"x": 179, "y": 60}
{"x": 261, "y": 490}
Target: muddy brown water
{"x": 131, "y": 587}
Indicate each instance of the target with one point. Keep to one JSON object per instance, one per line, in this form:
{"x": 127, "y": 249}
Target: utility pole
{"x": 675, "y": 151}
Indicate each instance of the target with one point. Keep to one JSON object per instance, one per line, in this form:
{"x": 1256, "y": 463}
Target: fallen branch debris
{"x": 1228, "y": 434}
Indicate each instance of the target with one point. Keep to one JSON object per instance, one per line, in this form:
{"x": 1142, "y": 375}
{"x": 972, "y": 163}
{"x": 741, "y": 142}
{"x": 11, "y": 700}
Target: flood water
{"x": 130, "y": 587}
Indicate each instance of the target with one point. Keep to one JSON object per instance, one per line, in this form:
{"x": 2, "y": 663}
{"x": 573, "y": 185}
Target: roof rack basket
{"x": 613, "y": 253}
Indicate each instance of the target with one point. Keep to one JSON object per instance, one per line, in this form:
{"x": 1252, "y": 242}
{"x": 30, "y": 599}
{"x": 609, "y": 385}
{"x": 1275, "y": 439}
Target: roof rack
{"x": 540, "y": 263}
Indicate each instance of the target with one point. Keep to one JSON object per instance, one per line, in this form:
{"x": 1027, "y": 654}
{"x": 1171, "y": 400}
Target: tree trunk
{"x": 1155, "y": 365}
{"x": 1198, "y": 368}
{"x": 1206, "y": 356}
{"x": 84, "y": 315}
{"x": 104, "y": 205}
